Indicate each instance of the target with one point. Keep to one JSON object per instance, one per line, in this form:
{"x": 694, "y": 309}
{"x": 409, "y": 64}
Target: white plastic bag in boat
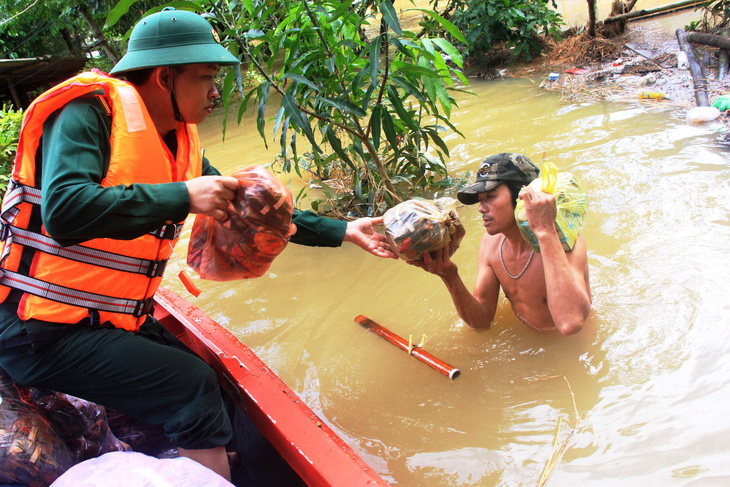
{"x": 134, "y": 469}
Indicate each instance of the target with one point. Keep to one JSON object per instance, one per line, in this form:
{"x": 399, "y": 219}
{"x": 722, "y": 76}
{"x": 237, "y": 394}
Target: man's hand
{"x": 211, "y": 195}
{"x": 437, "y": 262}
{"x": 362, "y": 233}
{"x": 540, "y": 208}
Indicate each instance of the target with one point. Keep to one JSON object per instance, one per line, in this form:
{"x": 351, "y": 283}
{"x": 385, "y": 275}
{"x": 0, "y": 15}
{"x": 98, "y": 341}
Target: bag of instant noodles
{"x": 31, "y": 452}
{"x": 417, "y": 226}
{"x": 258, "y": 230}
{"x": 571, "y": 200}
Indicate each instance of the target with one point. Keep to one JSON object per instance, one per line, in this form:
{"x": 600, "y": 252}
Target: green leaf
{"x": 116, "y": 13}
{"x": 397, "y": 103}
{"x": 443, "y": 69}
{"x": 330, "y": 64}
{"x": 410, "y": 88}
{"x": 301, "y": 79}
{"x": 374, "y": 59}
{"x": 345, "y": 106}
{"x": 439, "y": 142}
{"x": 448, "y": 26}
{"x": 336, "y": 144}
{"x": 449, "y": 49}
{"x": 390, "y": 16}
{"x": 277, "y": 120}
{"x": 244, "y": 105}
{"x": 263, "y": 96}
{"x": 430, "y": 85}
{"x": 282, "y": 139}
{"x": 375, "y": 126}
{"x": 417, "y": 71}
{"x": 389, "y": 130}
{"x": 337, "y": 13}
{"x": 358, "y": 148}
{"x": 290, "y": 105}
{"x": 428, "y": 45}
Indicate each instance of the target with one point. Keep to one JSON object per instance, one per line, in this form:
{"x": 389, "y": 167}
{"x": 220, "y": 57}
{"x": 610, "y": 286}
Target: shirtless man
{"x": 547, "y": 290}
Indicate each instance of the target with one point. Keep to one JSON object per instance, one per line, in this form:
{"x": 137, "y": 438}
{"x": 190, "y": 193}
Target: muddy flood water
{"x": 638, "y": 398}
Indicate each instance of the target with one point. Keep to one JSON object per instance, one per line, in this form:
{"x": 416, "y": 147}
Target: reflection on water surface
{"x": 648, "y": 374}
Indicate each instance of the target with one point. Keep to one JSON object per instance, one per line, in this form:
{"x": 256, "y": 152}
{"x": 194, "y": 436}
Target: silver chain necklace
{"x": 505, "y": 267}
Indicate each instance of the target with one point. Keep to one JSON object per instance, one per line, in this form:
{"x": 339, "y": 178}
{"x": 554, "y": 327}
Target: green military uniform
{"x": 148, "y": 374}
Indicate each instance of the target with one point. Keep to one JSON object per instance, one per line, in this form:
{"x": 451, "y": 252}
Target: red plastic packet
{"x": 257, "y": 231}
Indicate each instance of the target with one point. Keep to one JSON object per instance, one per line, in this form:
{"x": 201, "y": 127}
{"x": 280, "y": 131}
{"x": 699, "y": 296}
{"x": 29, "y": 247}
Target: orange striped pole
{"x": 422, "y": 355}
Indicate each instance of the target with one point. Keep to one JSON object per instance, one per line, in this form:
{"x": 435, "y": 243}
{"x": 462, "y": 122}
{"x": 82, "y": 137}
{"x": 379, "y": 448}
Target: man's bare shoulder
{"x": 490, "y": 240}
{"x": 488, "y": 246}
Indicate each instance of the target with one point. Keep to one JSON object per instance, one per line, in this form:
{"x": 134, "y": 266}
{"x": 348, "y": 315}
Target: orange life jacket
{"x": 114, "y": 278}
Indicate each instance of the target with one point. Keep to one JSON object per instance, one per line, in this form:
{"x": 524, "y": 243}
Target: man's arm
{"x": 566, "y": 273}
{"x": 477, "y": 309}
{"x": 319, "y": 231}
{"x": 77, "y": 208}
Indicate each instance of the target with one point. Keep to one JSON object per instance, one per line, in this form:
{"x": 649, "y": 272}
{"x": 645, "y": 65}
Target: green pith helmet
{"x": 173, "y": 37}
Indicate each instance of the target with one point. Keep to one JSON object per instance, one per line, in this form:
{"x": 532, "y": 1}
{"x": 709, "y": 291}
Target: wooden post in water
{"x": 698, "y": 77}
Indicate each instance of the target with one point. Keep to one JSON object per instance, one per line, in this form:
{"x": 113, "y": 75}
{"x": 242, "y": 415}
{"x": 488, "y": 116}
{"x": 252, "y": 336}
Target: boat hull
{"x": 312, "y": 449}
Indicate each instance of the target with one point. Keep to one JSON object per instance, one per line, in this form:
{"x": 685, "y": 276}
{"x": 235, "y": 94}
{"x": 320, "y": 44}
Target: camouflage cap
{"x": 497, "y": 169}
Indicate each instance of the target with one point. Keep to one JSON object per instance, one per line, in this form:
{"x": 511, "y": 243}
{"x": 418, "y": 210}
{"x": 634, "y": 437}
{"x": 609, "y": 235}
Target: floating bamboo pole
{"x": 653, "y": 11}
{"x": 415, "y": 350}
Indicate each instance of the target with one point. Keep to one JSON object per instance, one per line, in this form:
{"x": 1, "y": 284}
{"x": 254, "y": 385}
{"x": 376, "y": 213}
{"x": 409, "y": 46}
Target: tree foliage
{"x": 516, "y": 23}
{"x": 373, "y": 109}
{"x": 57, "y": 27}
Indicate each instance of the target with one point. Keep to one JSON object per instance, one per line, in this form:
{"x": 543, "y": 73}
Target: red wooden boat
{"x": 312, "y": 449}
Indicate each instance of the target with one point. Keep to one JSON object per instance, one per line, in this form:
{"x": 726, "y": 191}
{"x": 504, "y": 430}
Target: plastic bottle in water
{"x": 682, "y": 61}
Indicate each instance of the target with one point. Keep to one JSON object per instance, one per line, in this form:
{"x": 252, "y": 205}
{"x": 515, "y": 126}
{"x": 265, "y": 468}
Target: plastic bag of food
{"x": 258, "y": 230}
{"x": 417, "y": 226}
{"x": 81, "y": 424}
{"x": 141, "y": 436}
{"x": 571, "y": 200}
{"x": 31, "y": 452}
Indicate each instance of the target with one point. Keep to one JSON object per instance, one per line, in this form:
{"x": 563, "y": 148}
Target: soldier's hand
{"x": 211, "y": 195}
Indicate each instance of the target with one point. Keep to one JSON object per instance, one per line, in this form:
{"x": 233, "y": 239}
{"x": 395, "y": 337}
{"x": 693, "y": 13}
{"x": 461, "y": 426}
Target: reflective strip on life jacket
{"x": 75, "y": 297}
{"x": 79, "y": 253}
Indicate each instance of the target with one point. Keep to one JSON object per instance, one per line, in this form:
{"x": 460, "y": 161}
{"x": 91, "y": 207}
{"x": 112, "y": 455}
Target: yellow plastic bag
{"x": 571, "y": 200}
{"x": 417, "y": 226}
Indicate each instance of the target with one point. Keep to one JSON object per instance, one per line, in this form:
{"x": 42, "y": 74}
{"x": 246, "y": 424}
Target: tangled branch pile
{"x": 583, "y": 49}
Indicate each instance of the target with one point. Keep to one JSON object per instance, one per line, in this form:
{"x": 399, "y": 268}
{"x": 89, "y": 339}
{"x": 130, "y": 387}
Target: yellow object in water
{"x": 570, "y": 199}
{"x": 652, "y": 95}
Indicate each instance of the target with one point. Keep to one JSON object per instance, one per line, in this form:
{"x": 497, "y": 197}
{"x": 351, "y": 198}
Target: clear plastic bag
{"x": 417, "y": 226}
{"x": 246, "y": 244}
{"x": 571, "y": 200}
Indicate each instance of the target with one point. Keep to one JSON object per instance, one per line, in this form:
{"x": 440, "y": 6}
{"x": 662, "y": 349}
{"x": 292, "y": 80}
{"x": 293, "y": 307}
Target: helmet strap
{"x": 178, "y": 115}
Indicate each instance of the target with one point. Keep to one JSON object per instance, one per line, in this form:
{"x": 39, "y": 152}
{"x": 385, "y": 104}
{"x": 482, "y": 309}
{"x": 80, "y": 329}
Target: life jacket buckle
{"x": 143, "y": 307}
{"x": 168, "y": 232}
{"x": 156, "y": 268}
